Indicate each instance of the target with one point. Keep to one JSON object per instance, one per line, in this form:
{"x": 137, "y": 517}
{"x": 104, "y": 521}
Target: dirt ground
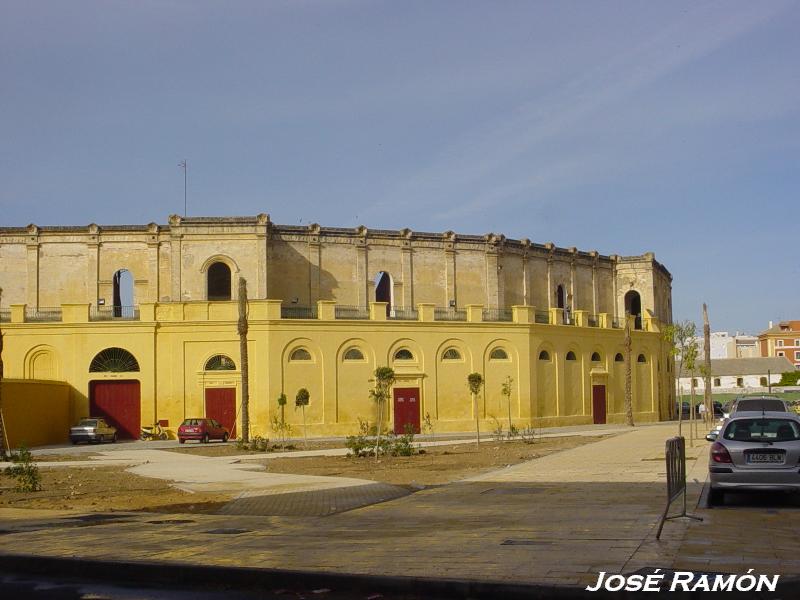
{"x": 441, "y": 464}
{"x": 230, "y": 449}
{"x": 105, "y": 489}
{"x": 98, "y": 489}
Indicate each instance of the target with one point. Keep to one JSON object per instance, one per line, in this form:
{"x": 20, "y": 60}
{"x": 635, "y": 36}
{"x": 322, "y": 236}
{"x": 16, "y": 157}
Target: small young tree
{"x": 475, "y": 382}
{"x": 680, "y": 337}
{"x": 628, "y": 372}
{"x": 301, "y": 399}
{"x": 282, "y": 403}
{"x": 384, "y": 379}
{"x": 507, "y": 389}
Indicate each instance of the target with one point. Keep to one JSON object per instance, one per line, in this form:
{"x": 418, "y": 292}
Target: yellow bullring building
{"x": 138, "y": 323}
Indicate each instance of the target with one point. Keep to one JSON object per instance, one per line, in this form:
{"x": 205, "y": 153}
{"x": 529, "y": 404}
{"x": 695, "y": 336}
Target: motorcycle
{"x": 153, "y": 433}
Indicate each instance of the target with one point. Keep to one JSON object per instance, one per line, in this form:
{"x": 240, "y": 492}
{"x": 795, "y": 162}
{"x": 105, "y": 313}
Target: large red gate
{"x": 119, "y": 403}
{"x": 221, "y": 406}
{"x": 406, "y": 409}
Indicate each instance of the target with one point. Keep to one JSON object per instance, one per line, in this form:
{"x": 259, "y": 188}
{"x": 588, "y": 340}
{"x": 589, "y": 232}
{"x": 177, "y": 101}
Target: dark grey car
{"x": 757, "y": 450}
{"x": 93, "y": 429}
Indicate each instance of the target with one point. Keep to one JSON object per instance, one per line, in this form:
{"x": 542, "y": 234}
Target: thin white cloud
{"x": 489, "y": 147}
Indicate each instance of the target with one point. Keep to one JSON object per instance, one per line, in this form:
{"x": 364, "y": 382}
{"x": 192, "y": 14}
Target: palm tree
{"x": 242, "y": 328}
{"x": 3, "y": 449}
{"x": 384, "y": 378}
{"x": 475, "y": 382}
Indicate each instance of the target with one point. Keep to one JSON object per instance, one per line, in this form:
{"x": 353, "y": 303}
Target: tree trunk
{"x": 242, "y": 329}
{"x": 3, "y": 449}
{"x": 509, "y": 414}
{"x": 477, "y": 419}
{"x": 305, "y": 437}
{"x": 628, "y": 373}
{"x": 707, "y": 356}
{"x": 378, "y": 432}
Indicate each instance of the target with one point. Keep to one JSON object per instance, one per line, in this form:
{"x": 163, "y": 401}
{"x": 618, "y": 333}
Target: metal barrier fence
{"x": 5, "y": 315}
{"x": 542, "y": 316}
{"x": 675, "y": 455}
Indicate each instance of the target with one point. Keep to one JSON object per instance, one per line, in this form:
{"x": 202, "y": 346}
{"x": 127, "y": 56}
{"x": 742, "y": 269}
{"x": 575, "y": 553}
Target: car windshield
{"x": 760, "y": 404}
{"x": 193, "y": 422}
{"x": 88, "y": 423}
{"x": 762, "y": 430}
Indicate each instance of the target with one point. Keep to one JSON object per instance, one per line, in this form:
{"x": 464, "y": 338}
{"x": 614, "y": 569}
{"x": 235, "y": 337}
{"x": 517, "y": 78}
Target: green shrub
{"x": 24, "y": 471}
{"x": 789, "y": 378}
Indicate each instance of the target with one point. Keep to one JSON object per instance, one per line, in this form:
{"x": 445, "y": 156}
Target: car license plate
{"x": 765, "y": 457}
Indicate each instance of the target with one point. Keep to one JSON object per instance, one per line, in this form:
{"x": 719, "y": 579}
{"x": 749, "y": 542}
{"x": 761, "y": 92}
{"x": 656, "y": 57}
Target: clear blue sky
{"x": 618, "y": 126}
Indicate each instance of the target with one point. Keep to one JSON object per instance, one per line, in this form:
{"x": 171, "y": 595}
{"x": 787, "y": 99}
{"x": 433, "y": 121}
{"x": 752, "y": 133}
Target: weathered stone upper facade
{"x": 50, "y": 266}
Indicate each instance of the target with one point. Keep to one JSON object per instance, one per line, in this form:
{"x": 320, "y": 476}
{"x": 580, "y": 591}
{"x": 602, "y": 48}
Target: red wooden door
{"x": 119, "y": 403}
{"x": 406, "y": 409}
{"x": 221, "y": 406}
{"x": 599, "y": 404}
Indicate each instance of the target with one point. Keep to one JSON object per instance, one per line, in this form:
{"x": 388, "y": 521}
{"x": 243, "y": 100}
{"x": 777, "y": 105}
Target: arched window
{"x": 498, "y": 354}
{"x": 114, "y": 360}
{"x": 220, "y": 362}
{"x": 353, "y": 354}
{"x": 571, "y": 355}
{"x": 451, "y": 354}
{"x": 300, "y": 354}
{"x": 596, "y": 357}
{"x": 560, "y": 303}
{"x": 384, "y": 290}
{"x": 641, "y": 359}
{"x": 619, "y": 358}
{"x": 633, "y": 307}
{"x": 123, "y": 291}
{"x": 403, "y": 354}
{"x": 544, "y": 355}
{"x": 219, "y": 281}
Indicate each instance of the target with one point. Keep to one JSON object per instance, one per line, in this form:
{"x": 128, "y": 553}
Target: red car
{"x": 202, "y": 430}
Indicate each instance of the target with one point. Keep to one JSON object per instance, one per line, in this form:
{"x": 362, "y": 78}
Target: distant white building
{"x": 725, "y": 345}
{"x": 737, "y": 375}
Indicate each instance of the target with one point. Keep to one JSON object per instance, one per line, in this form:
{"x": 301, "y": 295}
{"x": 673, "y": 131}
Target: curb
{"x": 150, "y": 574}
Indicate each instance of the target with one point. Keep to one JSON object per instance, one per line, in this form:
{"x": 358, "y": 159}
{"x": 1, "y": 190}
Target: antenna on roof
{"x": 185, "y": 168}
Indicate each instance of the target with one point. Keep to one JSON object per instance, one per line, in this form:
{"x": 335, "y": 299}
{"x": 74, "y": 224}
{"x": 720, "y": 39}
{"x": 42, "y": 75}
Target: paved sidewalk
{"x": 556, "y": 520}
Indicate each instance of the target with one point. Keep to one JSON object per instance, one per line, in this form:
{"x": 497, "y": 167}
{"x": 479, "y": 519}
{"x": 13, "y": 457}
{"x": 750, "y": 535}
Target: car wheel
{"x": 224, "y": 437}
{"x": 716, "y": 497}
{"x": 114, "y": 438}
{"x": 181, "y": 440}
{"x": 205, "y": 438}
{"x": 74, "y": 442}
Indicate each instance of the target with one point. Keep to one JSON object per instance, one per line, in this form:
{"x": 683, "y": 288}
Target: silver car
{"x": 93, "y": 429}
{"x": 748, "y": 403}
{"x": 756, "y": 450}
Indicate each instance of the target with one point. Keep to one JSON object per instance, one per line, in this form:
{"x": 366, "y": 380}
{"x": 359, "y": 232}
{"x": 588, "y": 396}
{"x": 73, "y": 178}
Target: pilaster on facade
{"x": 449, "y": 269}
{"x": 526, "y": 245}
{"x": 32, "y": 259}
{"x": 262, "y": 242}
{"x": 314, "y": 263}
{"x": 176, "y": 258}
{"x": 550, "y": 246}
{"x": 93, "y": 264}
{"x": 594, "y": 255}
{"x": 407, "y": 270}
{"x": 494, "y": 285}
{"x": 153, "y": 250}
{"x": 362, "y": 267}
{"x": 572, "y": 301}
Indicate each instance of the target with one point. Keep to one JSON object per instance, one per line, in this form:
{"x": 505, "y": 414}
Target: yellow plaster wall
{"x": 36, "y": 413}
